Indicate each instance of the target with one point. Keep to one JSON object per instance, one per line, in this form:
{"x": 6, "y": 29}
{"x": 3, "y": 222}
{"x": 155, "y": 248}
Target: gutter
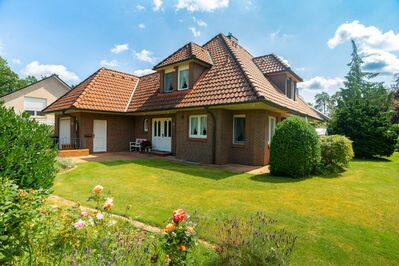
{"x": 206, "y": 108}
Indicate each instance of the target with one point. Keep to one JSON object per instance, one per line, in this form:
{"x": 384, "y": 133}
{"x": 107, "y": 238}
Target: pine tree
{"x": 395, "y": 117}
{"x": 363, "y": 112}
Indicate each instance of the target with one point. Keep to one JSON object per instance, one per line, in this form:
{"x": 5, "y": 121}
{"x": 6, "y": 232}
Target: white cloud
{"x": 141, "y": 26}
{"x": 140, "y": 7}
{"x": 309, "y": 88}
{"x": 367, "y": 37}
{"x": 157, "y": 4}
{"x": 300, "y": 69}
{"x": 145, "y": 55}
{"x": 376, "y": 47}
{"x": 195, "y": 32}
{"x": 201, "y": 5}
{"x": 119, "y": 48}
{"x": 284, "y": 60}
{"x": 106, "y": 63}
{"x": 38, "y": 70}
{"x": 142, "y": 72}
{"x": 16, "y": 61}
{"x": 277, "y": 35}
{"x": 200, "y": 22}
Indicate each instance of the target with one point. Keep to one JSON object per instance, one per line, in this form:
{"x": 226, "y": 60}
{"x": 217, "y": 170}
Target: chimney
{"x": 234, "y": 40}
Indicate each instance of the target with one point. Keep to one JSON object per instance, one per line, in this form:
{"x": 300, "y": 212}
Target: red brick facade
{"x": 121, "y": 129}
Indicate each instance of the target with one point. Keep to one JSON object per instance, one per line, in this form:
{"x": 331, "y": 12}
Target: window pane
{"x": 38, "y": 113}
{"x": 203, "y": 126}
{"x": 168, "y": 82}
{"x": 239, "y": 129}
{"x": 145, "y": 125}
{"x": 170, "y": 129}
{"x": 34, "y": 104}
{"x": 159, "y": 128}
{"x": 155, "y": 129}
{"x": 30, "y": 112}
{"x": 272, "y": 128}
{"x": 194, "y": 125}
{"x": 289, "y": 88}
{"x": 183, "y": 79}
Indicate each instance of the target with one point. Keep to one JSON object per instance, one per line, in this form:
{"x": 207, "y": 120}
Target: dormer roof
{"x": 271, "y": 63}
{"x": 189, "y": 51}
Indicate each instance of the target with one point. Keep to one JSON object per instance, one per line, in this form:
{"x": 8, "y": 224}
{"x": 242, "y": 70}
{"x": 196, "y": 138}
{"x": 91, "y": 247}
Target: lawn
{"x": 351, "y": 218}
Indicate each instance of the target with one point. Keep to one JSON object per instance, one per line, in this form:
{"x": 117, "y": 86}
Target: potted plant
{"x": 146, "y": 146}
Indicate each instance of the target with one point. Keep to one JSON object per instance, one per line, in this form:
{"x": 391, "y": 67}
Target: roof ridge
{"x": 235, "y": 57}
{"x": 280, "y": 60}
{"x": 131, "y": 95}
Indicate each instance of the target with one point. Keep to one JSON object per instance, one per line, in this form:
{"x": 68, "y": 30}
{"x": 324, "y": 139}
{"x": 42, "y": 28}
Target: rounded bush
{"x": 27, "y": 153}
{"x": 336, "y": 152}
{"x": 295, "y": 148}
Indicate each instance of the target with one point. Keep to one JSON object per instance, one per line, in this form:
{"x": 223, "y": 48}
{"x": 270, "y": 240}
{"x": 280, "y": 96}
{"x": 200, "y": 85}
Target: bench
{"x": 136, "y": 145}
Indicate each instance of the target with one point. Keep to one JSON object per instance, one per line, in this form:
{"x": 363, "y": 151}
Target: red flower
{"x": 182, "y": 248}
{"x": 179, "y": 215}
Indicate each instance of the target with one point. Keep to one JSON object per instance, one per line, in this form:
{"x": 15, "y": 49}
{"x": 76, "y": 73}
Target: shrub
{"x": 63, "y": 164}
{"x": 336, "y": 152}
{"x": 295, "y": 148}
{"x": 18, "y": 208}
{"x": 395, "y": 128}
{"x": 253, "y": 241}
{"x": 27, "y": 154}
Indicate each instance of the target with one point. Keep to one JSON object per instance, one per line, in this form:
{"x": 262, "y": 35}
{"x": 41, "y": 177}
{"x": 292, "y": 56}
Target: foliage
{"x": 363, "y": 112}
{"x": 9, "y": 80}
{"x": 395, "y": 117}
{"x": 179, "y": 238}
{"x": 295, "y": 148}
{"x": 253, "y": 241}
{"x": 62, "y": 163}
{"x": 395, "y": 128}
{"x": 336, "y": 152}
{"x": 18, "y": 208}
{"x": 27, "y": 154}
{"x": 324, "y": 102}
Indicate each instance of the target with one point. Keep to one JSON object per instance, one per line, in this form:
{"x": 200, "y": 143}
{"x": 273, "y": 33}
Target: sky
{"x": 75, "y": 38}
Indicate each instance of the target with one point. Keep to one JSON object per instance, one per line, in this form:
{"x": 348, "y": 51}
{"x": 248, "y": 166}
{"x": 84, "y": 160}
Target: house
{"x": 35, "y": 97}
{"x": 214, "y": 103}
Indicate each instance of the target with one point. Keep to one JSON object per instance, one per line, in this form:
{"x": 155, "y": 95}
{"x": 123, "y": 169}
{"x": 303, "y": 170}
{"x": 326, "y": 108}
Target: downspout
{"x": 213, "y": 134}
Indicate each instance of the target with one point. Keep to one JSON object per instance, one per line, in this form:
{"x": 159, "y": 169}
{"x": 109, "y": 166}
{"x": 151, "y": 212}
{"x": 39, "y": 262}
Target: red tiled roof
{"x": 105, "y": 90}
{"x": 270, "y": 63}
{"x": 188, "y": 51}
{"x": 234, "y": 77}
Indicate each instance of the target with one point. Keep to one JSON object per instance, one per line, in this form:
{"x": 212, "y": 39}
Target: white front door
{"x": 162, "y": 134}
{"x": 100, "y": 135}
{"x": 65, "y": 131}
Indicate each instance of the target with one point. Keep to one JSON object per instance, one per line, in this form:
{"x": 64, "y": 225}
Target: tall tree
{"x": 363, "y": 112}
{"x": 323, "y": 102}
{"x": 395, "y": 117}
{"x": 9, "y": 80}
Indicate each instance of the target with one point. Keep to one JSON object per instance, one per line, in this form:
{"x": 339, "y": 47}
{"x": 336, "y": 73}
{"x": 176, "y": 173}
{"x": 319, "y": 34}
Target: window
{"x": 145, "y": 125}
{"x": 198, "y": 126}
{"x": 239, "y": 129}
{"x": 183, "y": 78}
{"x": 34, "y": 106}
{"x": 168, "y": 82}
{"x": 272, "y": 128}
{"x": 290, "y": 89}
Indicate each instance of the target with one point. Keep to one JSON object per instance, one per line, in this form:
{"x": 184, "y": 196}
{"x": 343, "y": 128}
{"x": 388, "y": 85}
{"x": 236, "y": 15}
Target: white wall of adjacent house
{"x": 34, "y": 98}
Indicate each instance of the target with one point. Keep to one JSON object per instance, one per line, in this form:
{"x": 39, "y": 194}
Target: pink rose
{"x": 79, "y": 224}
{"x": 100, "y": 216}
{"x": 84, "y": 214}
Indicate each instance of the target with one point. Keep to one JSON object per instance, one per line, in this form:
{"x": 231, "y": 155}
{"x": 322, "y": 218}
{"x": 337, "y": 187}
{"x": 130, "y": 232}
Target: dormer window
{"x": 168, "y": 81}
{"x": 183, "y": 78}
{"x": 290, "y": 89}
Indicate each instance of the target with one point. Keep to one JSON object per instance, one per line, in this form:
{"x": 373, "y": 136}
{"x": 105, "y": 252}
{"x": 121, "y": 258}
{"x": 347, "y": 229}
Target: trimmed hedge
{"x": 336, "y": 152}
{"x": 27, "y": 153}
{"x": 295, "y": 148}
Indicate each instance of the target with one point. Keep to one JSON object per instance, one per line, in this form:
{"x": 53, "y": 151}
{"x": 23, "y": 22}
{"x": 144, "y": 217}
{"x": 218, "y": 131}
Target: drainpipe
{"x": 213, "y": 134}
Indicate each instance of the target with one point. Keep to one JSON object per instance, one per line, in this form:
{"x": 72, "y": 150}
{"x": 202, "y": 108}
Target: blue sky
{"x": 75, "y": 38}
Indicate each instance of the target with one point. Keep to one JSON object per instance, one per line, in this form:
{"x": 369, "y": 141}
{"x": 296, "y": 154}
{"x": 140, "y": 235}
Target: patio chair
{"x": 136, "y": 145}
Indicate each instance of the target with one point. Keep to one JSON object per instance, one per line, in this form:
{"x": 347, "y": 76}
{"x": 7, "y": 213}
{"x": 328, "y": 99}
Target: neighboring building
{"x": 35, "y": 97}
{"x": 214, "y": 103}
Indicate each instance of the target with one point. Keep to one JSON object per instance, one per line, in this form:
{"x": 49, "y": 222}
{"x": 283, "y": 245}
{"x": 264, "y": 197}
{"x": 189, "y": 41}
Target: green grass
{"x": 352, "y": 218}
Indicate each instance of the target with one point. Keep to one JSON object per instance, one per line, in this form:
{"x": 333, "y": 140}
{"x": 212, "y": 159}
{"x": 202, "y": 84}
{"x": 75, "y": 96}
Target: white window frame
{"x": 35, "y": 111}
{"x": 199, "y": 135}
{"x": 164, "y": 78}
{"x": 234, "y": 125}
{"x": 181, "y": 68}
{"x": 271, "y": 118}
{"x": 145, "y": 125}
